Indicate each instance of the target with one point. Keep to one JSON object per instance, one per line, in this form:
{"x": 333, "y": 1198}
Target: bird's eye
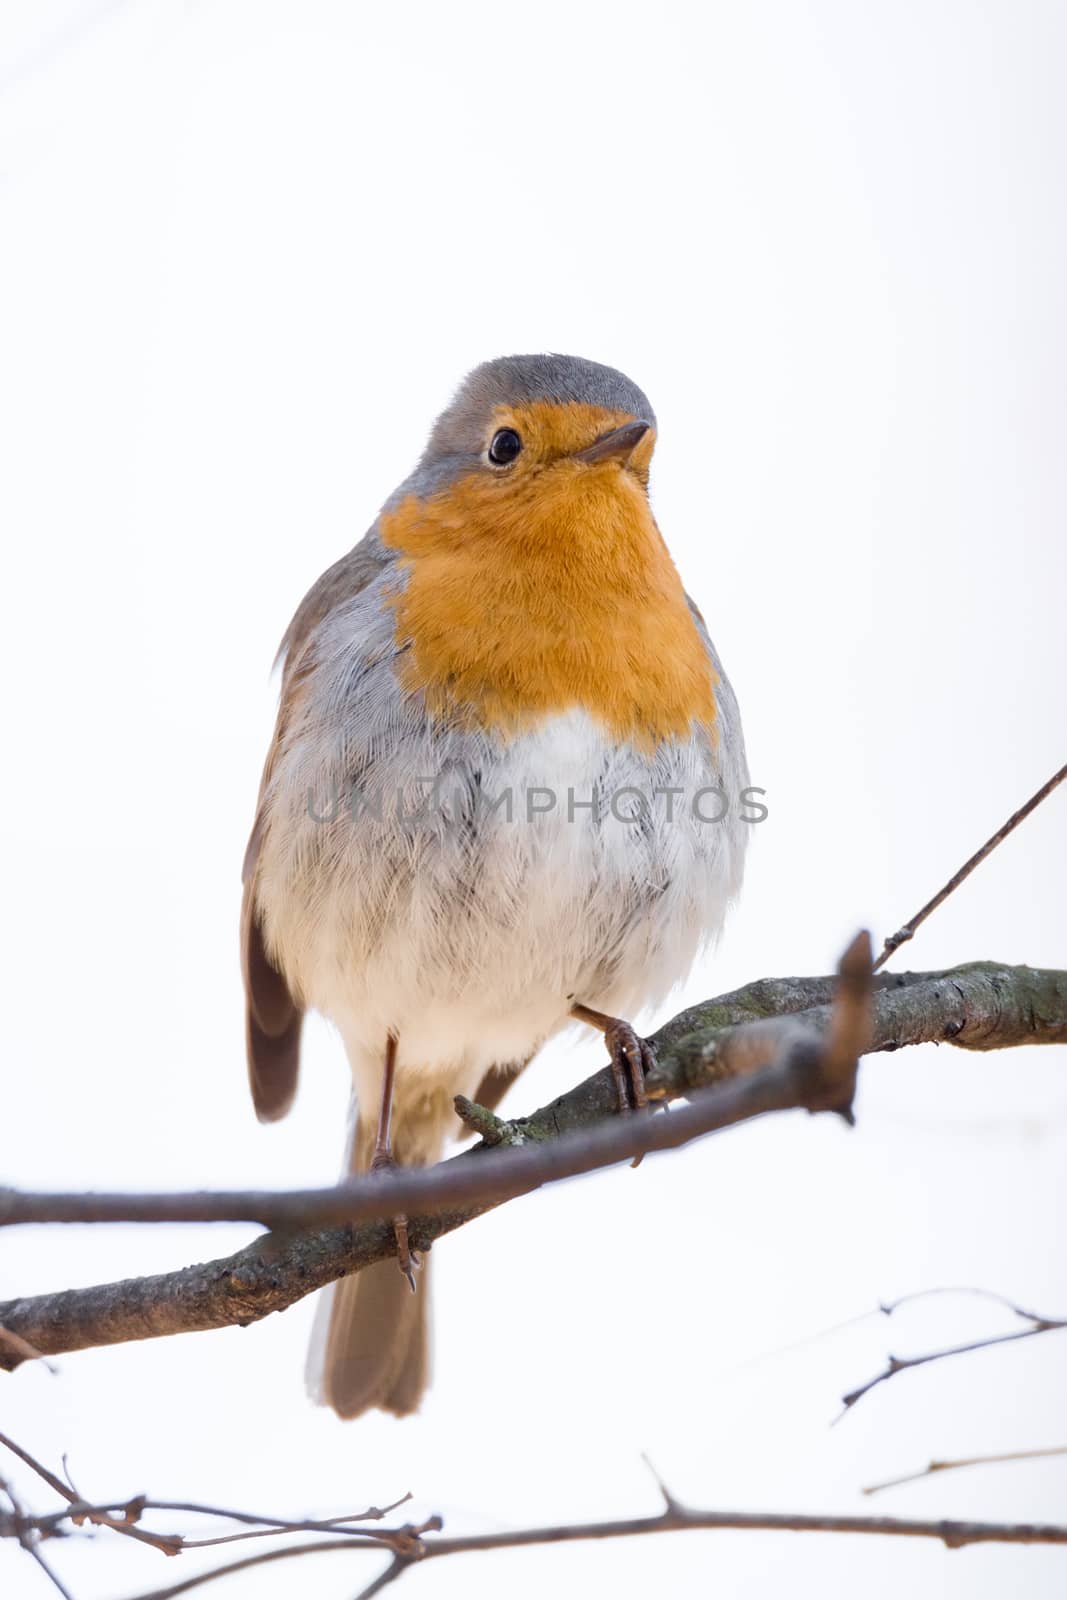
{"x": 505, "y": 446}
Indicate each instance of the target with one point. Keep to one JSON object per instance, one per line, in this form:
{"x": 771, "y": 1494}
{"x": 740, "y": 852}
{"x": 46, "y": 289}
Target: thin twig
{"x": 29, "y": 1540}
{"x": 317, "y": 1547}
{"x": 933, "y": 1467}
{"x": 415, "y": 1543}
{"x": 406, "y": 1543}
{"x": 897, "y": 1364}
{"x": 122, "y": 1516}
{"x": 886, "y": 1309}
{"x": 80, "y": 1511}
{"x": 396, "y": 1569}
{"x": 670, "y": 1501}
{"x": 169, "y": 1544}
{"x": 953, "y": 1534}
{"x": 275, "y": 1525}
{"x": 907, "y": 932}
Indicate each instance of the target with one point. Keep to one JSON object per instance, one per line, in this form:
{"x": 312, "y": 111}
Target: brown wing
{"x": 272, "y": 1021}
{"x": 273, "y": 1018}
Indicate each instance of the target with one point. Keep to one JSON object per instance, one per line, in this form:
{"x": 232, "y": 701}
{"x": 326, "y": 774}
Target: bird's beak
{"x": 618, "y": 445}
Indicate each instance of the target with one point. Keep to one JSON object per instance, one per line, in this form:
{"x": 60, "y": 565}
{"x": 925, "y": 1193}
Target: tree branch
{"x": 1036, "y": 1323}
{"x": 673, "y": 1519}
{"x": 774, "y": 1045}
{"x": 934, "y": 1467}
{"x": 413, "y": 1543}
{"x": 20, "y": 1525}
{"x": 124, "y": 1517}
{"x": 908, "y": 931}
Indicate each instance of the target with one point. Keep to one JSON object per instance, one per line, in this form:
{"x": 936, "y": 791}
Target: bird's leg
{"x": 383, "y": 1160}
{"x": 631, "y": 1056}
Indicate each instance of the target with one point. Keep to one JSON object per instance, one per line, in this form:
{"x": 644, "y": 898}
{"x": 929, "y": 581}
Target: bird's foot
{"x": 631, "y": 1058}
{"x": 406, "y": 1258}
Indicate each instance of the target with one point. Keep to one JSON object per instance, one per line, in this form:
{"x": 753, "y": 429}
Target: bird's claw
{"x": 632, "y": 1058}
{"x": 406, "y": 1258}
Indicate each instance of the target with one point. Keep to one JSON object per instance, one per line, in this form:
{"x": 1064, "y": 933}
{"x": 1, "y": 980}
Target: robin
{"x": 485, "y": 811}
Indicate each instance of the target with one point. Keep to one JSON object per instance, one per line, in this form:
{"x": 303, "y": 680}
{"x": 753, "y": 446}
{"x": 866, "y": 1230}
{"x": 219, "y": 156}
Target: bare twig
{"x": 933, "y": 1467}
{"x": 888, "y": 1307}
{"x": 670, "y": 1501}
{"x": 265, "y": 1558}
{"x": 268, "y": 1527}
{"x": 414, "y": 1543}
{"x": 897, "y": 1364}
{"x": 954, "y": 1534}
{"x": 122, "y": 1517}
{"x": 675, "y": 1519}
{"x": 884, "y": 1309}
{"x": 406, "y": 1544}
{"x": 396, "y": 1569}
{"x": 770, "y": 1046}
{"x": 907, "y": 932}
{"x": 28, "y": 1537}
{"x": 170, "y": 1544}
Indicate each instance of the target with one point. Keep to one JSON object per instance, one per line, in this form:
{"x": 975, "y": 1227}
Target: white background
{"x": 248, "y": 250}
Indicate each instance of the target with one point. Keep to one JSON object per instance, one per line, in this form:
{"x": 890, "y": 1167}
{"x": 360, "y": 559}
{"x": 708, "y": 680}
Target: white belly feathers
{"x": 463, "y": 899}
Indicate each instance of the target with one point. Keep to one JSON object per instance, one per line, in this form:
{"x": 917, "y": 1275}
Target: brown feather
{"x": 272, "y": 1022}
{"x": 377, "y": 1347}
{"x": 272, "y": 1017}
{"x": 377, "y": 1350}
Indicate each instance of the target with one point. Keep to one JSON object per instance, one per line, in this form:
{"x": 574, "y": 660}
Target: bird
{"x": 484, "y": 815}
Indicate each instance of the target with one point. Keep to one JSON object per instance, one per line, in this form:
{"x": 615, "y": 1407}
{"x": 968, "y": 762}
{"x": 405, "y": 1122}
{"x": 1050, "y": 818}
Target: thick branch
{"x": 767, "y": 1047}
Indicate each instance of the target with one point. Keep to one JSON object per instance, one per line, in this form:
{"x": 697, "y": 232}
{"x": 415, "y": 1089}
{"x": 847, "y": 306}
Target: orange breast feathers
{"x": 548, "y": 587}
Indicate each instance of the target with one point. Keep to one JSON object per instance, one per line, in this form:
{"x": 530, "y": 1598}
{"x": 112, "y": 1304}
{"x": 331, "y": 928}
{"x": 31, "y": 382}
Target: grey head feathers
{"x": 520, "y": 380}
{"x": 458, "y": 437}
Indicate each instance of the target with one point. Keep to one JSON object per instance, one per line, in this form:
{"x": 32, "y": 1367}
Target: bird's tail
{"x": 370, "y": 1345}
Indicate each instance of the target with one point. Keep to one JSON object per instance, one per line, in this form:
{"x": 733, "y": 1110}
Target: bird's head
{"x": 526, "y": 421}
{"x": 541, "y": 449}
{"x": 534, "y": 576}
